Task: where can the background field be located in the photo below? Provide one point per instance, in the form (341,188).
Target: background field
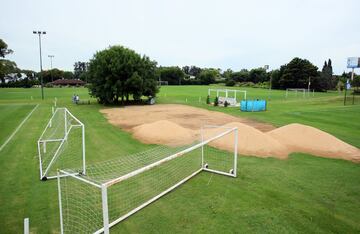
(302,194)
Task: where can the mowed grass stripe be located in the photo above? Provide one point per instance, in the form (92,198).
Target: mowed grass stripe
(11,119)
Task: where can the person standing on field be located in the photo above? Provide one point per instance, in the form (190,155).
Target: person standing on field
(77,99)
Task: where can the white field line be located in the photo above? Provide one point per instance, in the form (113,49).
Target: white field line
(17,129)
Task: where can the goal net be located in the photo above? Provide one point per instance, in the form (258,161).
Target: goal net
(294,92)
(162,82)
(113,190)
(231,96)
(62,144)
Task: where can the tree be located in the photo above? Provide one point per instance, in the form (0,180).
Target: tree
(6,66)
(79,69)
(257,75)
(115,73)
(241,76)
(326,77)
(173,75)
(132,85)
(275,78)
(194,71)
(207,76)
(4,49)
(296,74)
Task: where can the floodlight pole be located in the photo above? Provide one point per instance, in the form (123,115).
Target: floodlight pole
(41,78)
(51,57)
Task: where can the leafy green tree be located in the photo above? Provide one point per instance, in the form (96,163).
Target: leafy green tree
(70,75)
(173,75)
(227,74)
(208,76)
(241,76)
(6,66)
(132,86)
(230,82)
(296,74)
(257,75)
(275,78)
(4,49)
(79,69)
(326,76)
(110,69)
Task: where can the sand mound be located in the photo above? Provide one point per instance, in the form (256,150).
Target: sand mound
(164,132)
(250,142)
(306,139)
(185,116)
(176,125)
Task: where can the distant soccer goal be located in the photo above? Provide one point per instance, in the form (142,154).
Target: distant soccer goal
(231,96)
(294,92)
(113,190)
(160,83)
(62,144)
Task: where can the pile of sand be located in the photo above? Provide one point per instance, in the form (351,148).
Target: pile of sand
(176,125)
(185,116)
(250,142)
(164,132)
(306,139)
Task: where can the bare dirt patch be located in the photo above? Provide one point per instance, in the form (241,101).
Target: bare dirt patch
(185,116)
(179,125)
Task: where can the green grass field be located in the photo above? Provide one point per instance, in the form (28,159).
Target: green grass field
(302,194)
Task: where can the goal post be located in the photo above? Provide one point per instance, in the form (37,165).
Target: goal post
(113,190)
(61,144)
(296,90)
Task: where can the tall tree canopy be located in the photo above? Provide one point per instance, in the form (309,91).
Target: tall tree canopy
(6,66)
(4,49)
(118,72)
(326,76)
(296,74)
(80,69)
(173,75)
(208,76)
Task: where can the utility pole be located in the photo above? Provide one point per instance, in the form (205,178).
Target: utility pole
(51,57)
(39,33)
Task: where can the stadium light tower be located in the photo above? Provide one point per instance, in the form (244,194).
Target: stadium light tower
(39,33)
(51,57)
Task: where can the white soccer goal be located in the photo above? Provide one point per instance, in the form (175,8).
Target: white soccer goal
(162,82)
(111,191)
(231,95)
(62,144)
(300,92)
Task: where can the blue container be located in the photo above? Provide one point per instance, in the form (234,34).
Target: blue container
(253,105)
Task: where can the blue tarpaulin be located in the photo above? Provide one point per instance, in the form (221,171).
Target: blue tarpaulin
(253,105)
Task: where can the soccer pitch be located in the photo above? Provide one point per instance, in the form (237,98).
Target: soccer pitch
(300,194)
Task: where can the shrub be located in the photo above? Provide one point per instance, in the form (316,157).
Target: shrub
(216,101)
(230,82)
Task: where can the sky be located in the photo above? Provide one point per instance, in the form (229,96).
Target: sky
(221,34)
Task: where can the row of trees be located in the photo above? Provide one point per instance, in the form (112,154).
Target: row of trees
(28,78)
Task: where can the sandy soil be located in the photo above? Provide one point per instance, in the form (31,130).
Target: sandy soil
(185,116)
(307,139)
(179,125)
